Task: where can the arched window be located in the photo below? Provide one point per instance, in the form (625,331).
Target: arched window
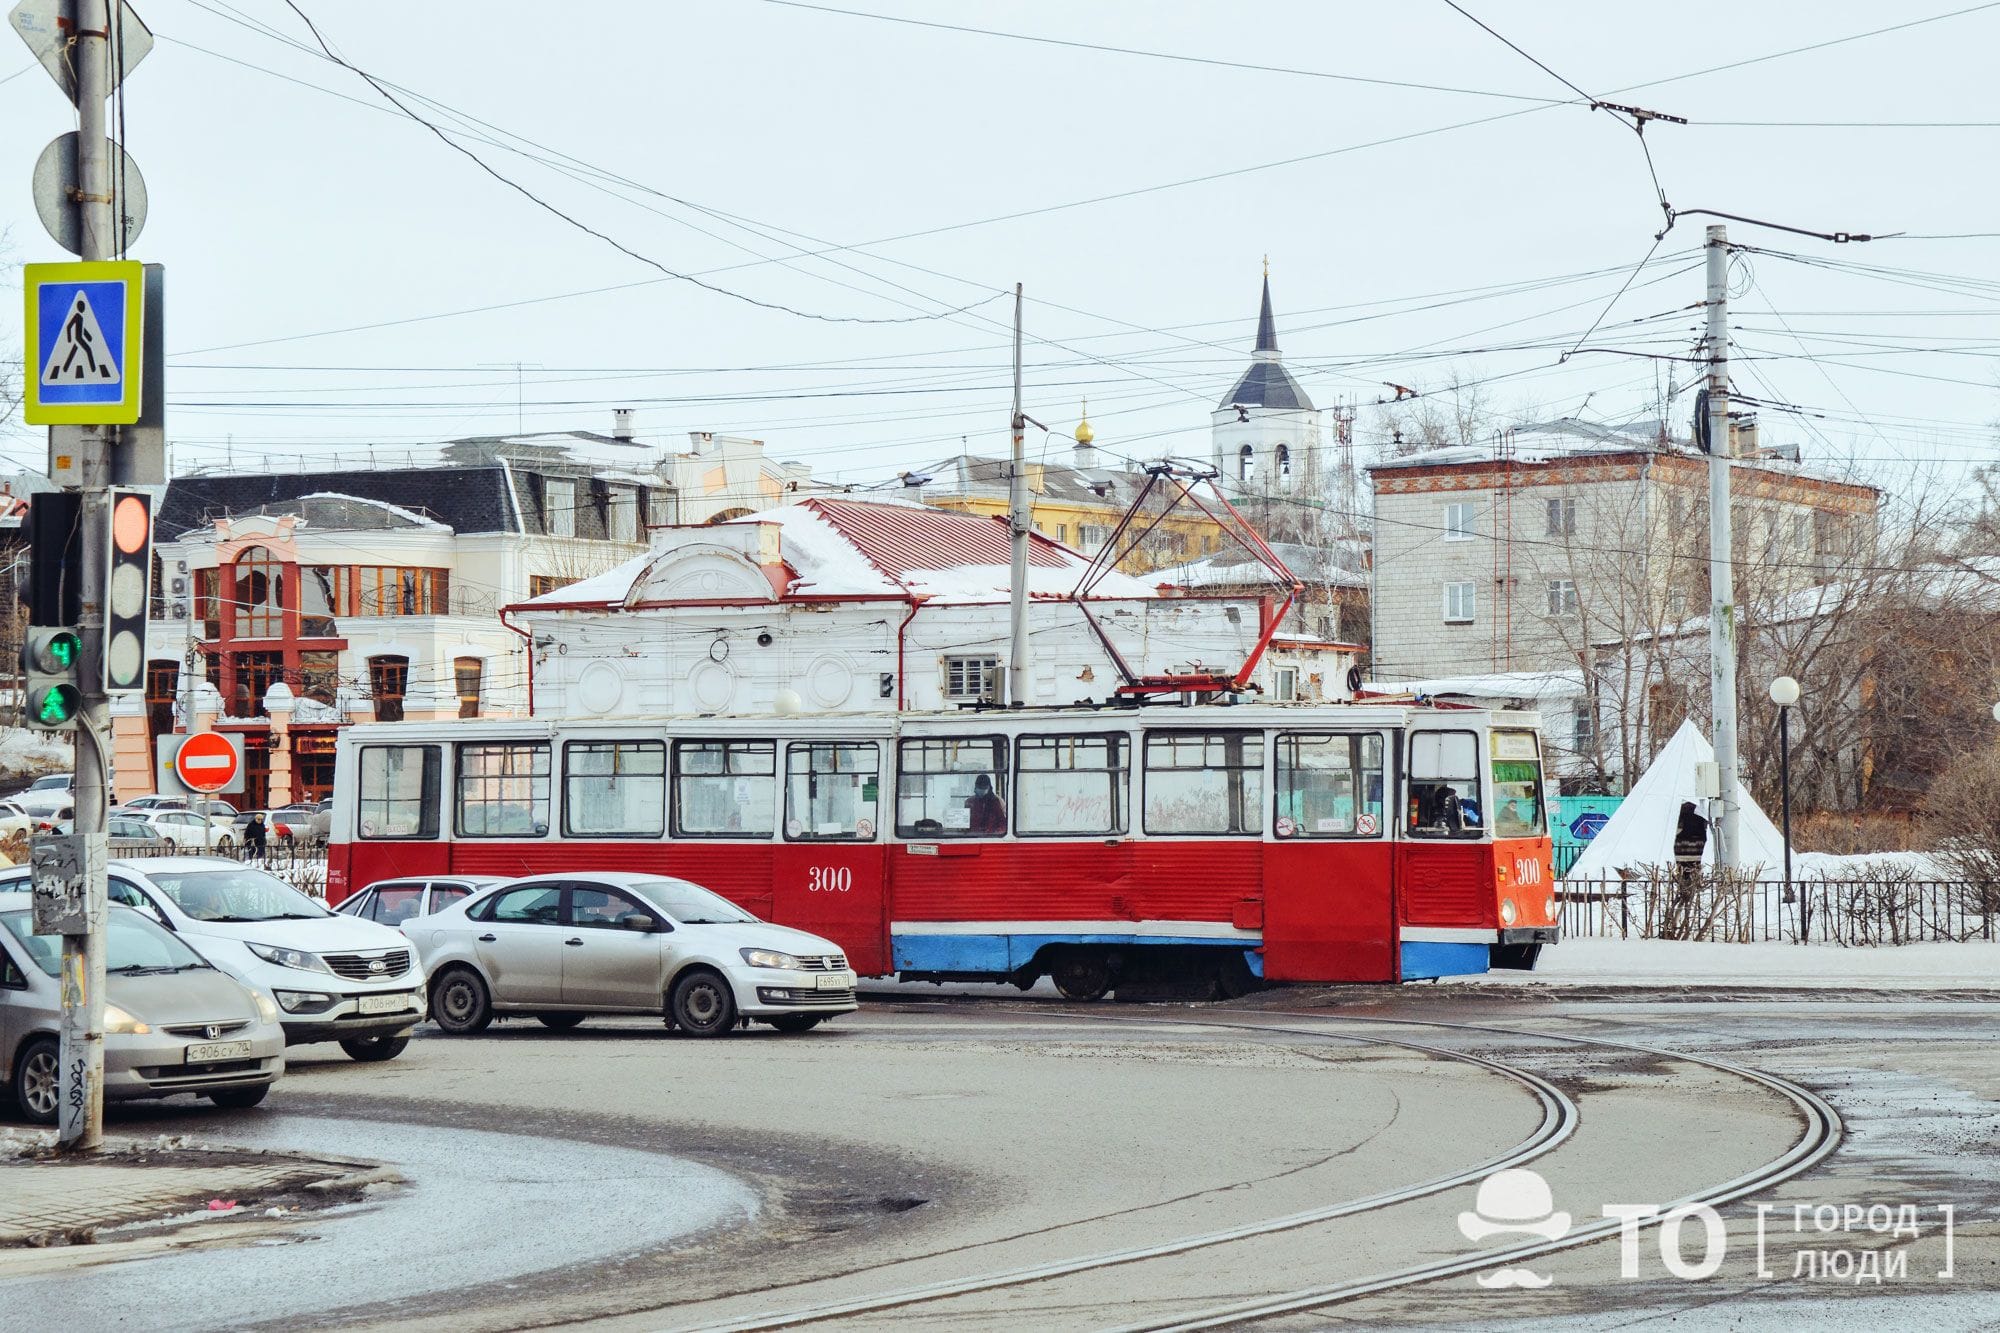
(1284,466)
(1246,463)
(260,595)
(466,672)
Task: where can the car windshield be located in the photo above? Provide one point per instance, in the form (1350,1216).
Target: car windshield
(59,781)
(134,946)
(235,894)
(690,904)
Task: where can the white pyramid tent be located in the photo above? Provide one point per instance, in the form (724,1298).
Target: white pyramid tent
(1640,831)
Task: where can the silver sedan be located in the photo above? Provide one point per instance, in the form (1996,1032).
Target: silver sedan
(172,1023)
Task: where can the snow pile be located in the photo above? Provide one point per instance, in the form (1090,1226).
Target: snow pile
(1652,963)
(31,754)
(1912,867)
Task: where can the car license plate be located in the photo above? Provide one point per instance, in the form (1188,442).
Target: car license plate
(384,1004)
(833,981)
(206,1052)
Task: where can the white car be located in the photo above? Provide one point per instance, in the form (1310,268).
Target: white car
(184,828)
(13,819)
(564,946)
(47,795)
(335,978)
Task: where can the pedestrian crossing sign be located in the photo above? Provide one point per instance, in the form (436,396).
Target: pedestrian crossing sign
(83,341)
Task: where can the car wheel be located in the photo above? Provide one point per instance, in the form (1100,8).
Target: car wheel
(242,1099)
(797,1022)
(370,1049)
(560,1022)
(703,1005)
(38,1081)
(460,1002)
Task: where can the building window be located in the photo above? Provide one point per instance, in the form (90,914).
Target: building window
(319,676)
(1285,688)
(972,680)
(388,590)
(1284,465)
(1062,533)
(388,681)
(325,591)
(1246,463)
(1562,597)
(661,509)
(1583,729)
(256,673)
(559,507)
(466,672)
(260,595)
(1458,521)
(1461,603)
(208,602)
(622,514)
(162,680)
(503,790)
(540,585)
(1562,518)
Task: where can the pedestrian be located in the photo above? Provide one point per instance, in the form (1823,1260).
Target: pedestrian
(254,835)
(1690,841)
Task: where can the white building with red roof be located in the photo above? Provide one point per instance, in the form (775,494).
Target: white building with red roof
(844,605)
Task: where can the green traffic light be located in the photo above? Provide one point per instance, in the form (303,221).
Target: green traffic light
(55,706)
(59,652)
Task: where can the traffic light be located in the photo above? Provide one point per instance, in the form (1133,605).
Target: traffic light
(52,662)
(129,585)
(55,557)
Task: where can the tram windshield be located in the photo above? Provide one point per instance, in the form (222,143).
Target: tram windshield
(1444,785)
(1517,785)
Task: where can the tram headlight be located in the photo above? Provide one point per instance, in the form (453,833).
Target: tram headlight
(1549,907)
(1508,912)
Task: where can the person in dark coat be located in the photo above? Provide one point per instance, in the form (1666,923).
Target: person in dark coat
(989,812)
(254,835)
(1690,841)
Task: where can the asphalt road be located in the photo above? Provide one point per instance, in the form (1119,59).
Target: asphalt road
(1294,1160)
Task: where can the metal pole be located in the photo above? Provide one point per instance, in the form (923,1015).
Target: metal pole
(80,1119)
(1721,567)
(1020,520)
(1785,805)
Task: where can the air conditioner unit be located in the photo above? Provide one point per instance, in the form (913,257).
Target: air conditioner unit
(180,566)
(177,586)
(177,611)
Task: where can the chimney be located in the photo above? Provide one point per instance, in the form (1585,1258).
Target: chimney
(621,424)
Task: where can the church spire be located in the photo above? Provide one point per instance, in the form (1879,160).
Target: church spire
(1267,327)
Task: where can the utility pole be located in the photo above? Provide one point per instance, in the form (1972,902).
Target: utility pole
(1721,565)
(1020,519)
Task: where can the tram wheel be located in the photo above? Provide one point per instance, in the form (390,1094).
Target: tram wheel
(1081,976)
(1235,979)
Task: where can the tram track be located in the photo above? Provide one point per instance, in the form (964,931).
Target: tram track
(1819,1136)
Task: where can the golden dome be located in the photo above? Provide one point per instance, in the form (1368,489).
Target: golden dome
(1084,434)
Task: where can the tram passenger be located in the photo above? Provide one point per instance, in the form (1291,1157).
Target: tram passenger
(989,812)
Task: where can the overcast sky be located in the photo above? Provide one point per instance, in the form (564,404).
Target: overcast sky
(339,276)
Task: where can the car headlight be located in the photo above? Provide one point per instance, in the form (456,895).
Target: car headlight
(283,957)
(770,958)
(118,1023)
(1508,912)
(267,1008)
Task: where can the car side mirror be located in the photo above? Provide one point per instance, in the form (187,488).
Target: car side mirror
(640,921)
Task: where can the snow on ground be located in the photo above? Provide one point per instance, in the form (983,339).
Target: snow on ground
(30,754)
(1651,963)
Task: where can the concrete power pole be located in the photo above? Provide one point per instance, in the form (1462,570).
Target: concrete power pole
(1020,519)
(1721,564)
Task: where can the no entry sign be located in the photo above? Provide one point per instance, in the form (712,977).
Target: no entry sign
(207,762)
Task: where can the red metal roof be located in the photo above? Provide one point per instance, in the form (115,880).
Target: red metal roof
(902,539)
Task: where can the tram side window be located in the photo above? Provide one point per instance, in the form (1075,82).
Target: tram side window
(615,789)
(399,791)
(952,788)
(503,790)
(831,788)
(1205,782)
(1517,785)
(1329,785)
(1444,785)
(725,789)
(1070,785)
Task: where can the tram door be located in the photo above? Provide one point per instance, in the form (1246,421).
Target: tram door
(828,873)
(1328,870)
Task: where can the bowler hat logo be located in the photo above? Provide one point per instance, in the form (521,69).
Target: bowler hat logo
(1513,1202)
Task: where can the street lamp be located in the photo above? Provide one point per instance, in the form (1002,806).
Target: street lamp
(1785,693)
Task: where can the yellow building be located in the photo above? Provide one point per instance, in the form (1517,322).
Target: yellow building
(1076,502)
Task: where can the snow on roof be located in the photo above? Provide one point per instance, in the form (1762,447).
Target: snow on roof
(1537,442)
(1540,685)
(872,548)
(1972,581)
(1319,565)
(1640,832)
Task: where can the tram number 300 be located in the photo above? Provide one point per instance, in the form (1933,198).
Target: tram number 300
(829,879)
(1527,870)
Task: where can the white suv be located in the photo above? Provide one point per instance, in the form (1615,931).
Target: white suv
(335,978)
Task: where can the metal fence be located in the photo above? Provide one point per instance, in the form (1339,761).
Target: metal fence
(301,865)
(1844,912)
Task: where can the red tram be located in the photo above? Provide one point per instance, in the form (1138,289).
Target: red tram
(1364,842)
